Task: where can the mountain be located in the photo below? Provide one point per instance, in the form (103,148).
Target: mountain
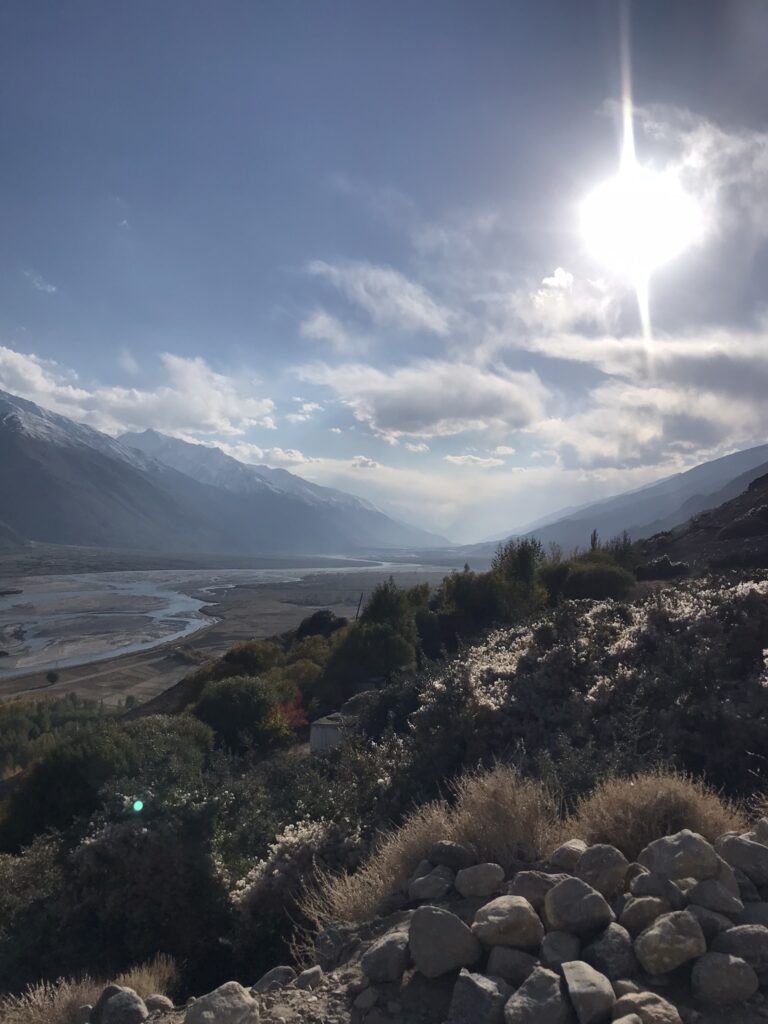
(658,506)
(66,483)
(734,534)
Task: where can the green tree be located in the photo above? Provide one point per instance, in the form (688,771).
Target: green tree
(242,711)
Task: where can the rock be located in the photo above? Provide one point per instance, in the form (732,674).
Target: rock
(748,941)
(673,939)
(421,869)
(275,979)
(230,1003)
(754,913)
(367,999)
(434,886)
(539,1000)
(508,921)
(612,953)
(760,831)
(477,999)
(387,958)
(624,985)
(685,854)
(534,886)
(574,906)
(450,855)
(713,895)
(747,890)
(158,1002)
(558,948)
(107,993)
(711,923)
(440,942)
(479,880)
(566,857)
(634,871)
(512,965)
(727,876)
(125,1007)
(648,1007)
(590,992)
(82,1014)
(310,978)
(629,1018)
(640,911)
(604,868)
(722,978)
(651,884)
(746,855)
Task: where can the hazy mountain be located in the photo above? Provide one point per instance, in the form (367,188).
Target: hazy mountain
(658,506)
(66,483)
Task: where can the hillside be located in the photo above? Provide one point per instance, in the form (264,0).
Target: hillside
(76,486)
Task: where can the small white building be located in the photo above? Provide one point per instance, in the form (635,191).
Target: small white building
(325,733)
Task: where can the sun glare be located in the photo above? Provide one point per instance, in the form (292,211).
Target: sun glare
(639,221)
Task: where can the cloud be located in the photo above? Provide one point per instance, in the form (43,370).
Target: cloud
(334,430)
(127,362)
(388,297)
(322,326)
(503,449)
(305,412)
(39,283)
(562,301)
(434,398)
(363,462)
(474,460)
(195,400)
(420,447)
(253,454)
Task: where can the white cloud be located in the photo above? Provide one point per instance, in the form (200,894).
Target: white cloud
(388,297)
(434,398)
(255,455)
(334,430)
(363,462)
(127,362)
(420,447)
(39,283)
(474,460)
(194,400)
(322,326)
(564,301)
(503,449)
(305,412)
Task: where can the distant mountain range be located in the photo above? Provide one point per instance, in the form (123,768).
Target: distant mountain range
(659,506)
(65,483)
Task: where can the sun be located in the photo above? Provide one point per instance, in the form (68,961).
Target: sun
(638,221)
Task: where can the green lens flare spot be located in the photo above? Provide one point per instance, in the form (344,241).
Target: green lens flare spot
(138,805)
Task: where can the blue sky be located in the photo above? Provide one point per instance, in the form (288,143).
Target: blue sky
(343,237)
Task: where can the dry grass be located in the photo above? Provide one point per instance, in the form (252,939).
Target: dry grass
(496,814)
(55,1002)
(630,812)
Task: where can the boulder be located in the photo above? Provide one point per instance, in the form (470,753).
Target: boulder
(640,911)
(721,978)
(82,1014)
(566,857)
(275,979)
(477,999)
(651,884)
(539,1000)
(748,941)
(623,985)
(589,991)
(158,1002)
(713,895)
(310,978)
(558,948)
(648,1007)
(124,1007)
(747,890)
(508,921)
(440,942)
(367,999)
(612,953)
(604,868)
(673,939)
(711,923)
(574,906)
(629,1018)
(746,855)
(421,869)
(754,913)
(433,886)
(230,1003)
(106,993)
(479,880)
(513,965)
(727,876)
(450,855)
(534,886)
(387,958)
(685,854)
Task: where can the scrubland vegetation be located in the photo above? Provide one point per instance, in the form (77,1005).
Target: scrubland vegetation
(546,698)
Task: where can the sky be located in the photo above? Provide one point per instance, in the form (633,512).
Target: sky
(345,237)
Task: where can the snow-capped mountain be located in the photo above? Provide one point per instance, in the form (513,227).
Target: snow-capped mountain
(65,483)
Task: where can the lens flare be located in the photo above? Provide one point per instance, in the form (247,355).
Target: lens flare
(138,805)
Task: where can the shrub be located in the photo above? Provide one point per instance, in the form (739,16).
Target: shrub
(497,814)
(242,712)
(57,1002)
(252,657)
(597,580)
(629,813)
(365,651)
(322,623)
